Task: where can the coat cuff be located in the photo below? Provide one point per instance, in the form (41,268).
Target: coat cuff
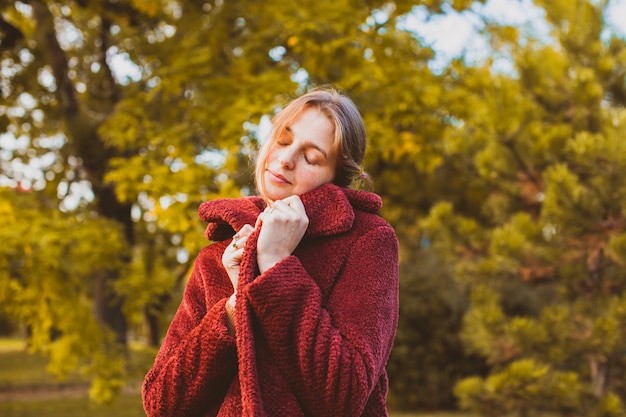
(284,283)
(221,324)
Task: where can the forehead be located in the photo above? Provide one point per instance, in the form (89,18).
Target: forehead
(312,125)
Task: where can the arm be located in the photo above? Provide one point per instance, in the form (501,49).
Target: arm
(198,359)
(333,356)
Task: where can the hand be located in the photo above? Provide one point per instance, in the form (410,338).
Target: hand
(282,227)
(231,258)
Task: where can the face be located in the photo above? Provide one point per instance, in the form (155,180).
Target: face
(302,158)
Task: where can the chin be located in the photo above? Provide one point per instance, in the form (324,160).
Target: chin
(276,195)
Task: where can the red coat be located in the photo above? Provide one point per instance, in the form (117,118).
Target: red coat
(314,332)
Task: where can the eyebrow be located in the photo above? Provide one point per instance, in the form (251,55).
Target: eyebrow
(308,143)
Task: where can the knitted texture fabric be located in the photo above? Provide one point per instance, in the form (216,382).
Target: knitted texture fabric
(248,376)
(313,333)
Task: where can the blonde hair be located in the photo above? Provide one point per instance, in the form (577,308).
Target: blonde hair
(349,133)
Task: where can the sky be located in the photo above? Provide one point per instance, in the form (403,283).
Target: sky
(453,33)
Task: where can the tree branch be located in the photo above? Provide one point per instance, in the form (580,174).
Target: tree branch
(9,35)
(45,34)
(112,88)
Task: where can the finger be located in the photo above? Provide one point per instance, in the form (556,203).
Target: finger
(294,203)
(281,206)
(244,231)
(259,220)
(238,242)
(242,241)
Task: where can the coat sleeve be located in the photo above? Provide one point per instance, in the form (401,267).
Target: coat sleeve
(332,356)
(197,360)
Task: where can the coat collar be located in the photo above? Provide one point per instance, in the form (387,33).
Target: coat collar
(330,209)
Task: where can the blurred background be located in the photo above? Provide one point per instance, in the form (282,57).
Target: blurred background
(497,140)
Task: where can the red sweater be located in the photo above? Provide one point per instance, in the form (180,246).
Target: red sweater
(314,332)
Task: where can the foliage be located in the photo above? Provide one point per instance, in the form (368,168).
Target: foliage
(46,260)
(542,253)
(133,148)
(421,369)
(519,172)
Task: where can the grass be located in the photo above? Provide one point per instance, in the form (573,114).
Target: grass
(20,370)
(434,414)
(125,406)
(27,390)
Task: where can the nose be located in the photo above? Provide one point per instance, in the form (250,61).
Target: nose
(286,158)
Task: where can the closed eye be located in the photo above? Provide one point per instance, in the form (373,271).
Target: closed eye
(313,156)
(286,138)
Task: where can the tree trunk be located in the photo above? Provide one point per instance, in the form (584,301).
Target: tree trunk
(154,311)
(84,143)
(599,372)
(108,307)
(154,331)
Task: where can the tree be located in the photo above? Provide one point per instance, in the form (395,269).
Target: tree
(59,59)
(47,259)
(133,112)
(542,254)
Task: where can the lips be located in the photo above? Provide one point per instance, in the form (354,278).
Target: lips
(276,177)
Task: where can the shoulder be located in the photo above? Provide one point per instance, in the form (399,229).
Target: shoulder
(367,218)
(367,223)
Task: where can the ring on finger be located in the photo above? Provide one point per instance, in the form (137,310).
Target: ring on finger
(235,238)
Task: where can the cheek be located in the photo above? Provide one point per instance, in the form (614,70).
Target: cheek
(320,176)
(271,156)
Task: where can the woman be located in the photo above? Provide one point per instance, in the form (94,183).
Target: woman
(296,313)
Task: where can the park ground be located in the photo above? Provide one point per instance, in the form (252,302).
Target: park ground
(27,390)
